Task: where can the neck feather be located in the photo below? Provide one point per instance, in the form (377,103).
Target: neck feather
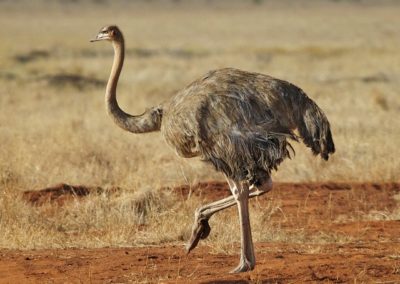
(147,122)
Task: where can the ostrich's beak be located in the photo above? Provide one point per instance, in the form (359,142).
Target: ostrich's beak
(97,38)
(100,36)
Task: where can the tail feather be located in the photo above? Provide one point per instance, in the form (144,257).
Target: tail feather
(314,129)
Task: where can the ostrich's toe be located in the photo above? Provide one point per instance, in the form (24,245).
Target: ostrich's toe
(244,266)
(200,230)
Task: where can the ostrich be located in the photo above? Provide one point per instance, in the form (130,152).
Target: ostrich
(240,122)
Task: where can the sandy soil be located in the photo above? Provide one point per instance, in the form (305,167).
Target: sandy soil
(371,255)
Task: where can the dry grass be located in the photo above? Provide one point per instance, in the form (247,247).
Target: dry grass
(138,218)
(53,127)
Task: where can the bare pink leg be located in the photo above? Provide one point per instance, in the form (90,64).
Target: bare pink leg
(240,191)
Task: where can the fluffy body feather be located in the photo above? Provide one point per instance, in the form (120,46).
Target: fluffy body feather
(241,122)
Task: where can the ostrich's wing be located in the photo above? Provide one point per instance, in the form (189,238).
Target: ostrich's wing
(230,119)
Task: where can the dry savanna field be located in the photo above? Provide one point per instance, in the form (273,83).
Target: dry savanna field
(83,201)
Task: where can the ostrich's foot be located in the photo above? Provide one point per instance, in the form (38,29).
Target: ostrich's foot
(200,230)
(244,266)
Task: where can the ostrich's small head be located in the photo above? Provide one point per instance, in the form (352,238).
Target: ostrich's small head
(111,33)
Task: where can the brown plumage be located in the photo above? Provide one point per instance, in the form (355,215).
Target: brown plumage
(240,122)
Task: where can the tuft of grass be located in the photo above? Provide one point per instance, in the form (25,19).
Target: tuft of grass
(121,219)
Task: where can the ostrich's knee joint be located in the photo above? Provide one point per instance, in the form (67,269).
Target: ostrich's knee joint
(263,188)
(199,214)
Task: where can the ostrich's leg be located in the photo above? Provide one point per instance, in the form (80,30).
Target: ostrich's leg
(247,258)
(201,228)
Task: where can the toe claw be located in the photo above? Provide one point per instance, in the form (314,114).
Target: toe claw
(244,266)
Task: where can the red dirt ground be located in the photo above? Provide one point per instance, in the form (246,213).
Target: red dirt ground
(371,254)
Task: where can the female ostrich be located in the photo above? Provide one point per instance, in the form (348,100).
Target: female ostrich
(240,122)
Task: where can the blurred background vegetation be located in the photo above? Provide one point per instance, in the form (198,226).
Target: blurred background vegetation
(53,127)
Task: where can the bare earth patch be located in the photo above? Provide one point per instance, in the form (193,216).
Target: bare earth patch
(367,247)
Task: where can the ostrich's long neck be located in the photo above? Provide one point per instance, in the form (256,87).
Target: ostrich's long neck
(148,121)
